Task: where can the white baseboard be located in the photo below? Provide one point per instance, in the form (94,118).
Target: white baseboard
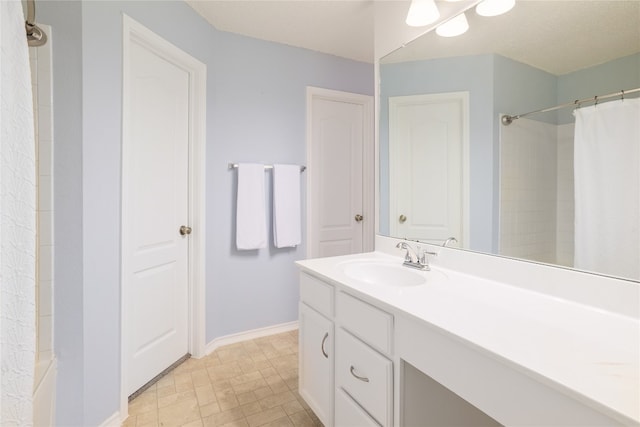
(249,335)
(113,421)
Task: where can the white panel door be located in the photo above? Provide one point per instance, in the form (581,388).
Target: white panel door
(336,209)
(426,192)
(155,206)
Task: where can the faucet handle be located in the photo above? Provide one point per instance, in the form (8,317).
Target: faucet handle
(422,257)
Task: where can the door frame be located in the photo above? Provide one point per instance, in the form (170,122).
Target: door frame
(133,31)
(368,159)
(463,99)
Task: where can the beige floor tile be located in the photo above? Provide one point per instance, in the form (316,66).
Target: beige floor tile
(223,417)
(277,384)
(277,400)
(251,408)
(292,384)
(130,421)
(245,378)
(176,397)
(238,423)
(302,419)
(266,417)
(263,392)
(209,409)
(146,417)
(166,390)
(221,385)
(280,422)
(292,407)
(205,395)
(248,397)
(185,386)
(200,377)
(248,384)
(179,413)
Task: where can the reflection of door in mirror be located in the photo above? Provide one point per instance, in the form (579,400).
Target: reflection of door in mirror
(427,142)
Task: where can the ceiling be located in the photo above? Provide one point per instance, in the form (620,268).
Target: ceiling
(558,36)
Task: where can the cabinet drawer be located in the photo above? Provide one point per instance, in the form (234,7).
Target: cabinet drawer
(372,325)
(317,294)
(366,375)
(349,413)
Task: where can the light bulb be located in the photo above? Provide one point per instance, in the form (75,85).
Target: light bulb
(453,27)
(422,12)
(494,7)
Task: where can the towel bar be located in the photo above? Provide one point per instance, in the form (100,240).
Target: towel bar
(235,166)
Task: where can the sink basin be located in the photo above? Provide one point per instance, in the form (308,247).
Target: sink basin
(384,273)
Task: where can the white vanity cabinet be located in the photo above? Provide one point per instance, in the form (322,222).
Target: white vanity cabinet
(363,370)
(350,371)
(316,343)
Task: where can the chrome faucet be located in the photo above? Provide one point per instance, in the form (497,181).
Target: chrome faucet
(415,259)
(450,240)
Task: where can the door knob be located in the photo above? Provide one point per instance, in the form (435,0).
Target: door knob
(402,219)
(359,218)
(184,230)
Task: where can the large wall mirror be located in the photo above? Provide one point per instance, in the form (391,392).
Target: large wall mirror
(449,168)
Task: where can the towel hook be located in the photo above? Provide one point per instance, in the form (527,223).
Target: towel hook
(596,99)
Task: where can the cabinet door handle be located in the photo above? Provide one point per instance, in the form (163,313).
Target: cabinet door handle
(365,379)
(324,353)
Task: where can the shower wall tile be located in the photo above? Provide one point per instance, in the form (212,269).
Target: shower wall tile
(566,203)
(41,75)
(528,190)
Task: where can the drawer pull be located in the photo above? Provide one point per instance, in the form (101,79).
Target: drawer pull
(324,353)
(365,379)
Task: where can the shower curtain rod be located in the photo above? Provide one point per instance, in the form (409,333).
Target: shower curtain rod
(35,36)
(507,119)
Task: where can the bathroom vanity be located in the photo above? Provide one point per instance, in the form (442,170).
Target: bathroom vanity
(474,341)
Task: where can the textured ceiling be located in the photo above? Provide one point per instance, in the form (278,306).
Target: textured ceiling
(558,36)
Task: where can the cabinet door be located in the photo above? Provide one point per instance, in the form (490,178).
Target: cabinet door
(349,413)
(315,381)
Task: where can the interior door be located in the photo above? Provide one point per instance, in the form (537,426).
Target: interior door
(155,206)
(336,207)
(426,193)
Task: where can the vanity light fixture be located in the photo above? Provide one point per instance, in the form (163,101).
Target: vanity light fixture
(494,7)
(422,12)
(453,27)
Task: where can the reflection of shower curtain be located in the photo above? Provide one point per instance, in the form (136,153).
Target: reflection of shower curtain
(607,188)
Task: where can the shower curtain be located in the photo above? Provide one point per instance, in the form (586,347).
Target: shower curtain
(17,221)
(607,188)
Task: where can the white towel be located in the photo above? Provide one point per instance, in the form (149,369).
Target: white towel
(251,223)
(286,206)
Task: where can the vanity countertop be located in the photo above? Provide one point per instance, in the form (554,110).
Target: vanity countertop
(585,352)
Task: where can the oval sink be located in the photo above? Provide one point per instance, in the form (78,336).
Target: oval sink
(384,273)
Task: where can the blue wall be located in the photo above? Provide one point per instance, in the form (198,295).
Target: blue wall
(256,102)
(610,77)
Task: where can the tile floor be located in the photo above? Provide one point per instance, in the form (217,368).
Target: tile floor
(252,383)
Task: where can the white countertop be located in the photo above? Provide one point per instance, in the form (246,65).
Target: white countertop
(588,353)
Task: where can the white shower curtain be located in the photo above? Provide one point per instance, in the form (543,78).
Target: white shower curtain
(17,221)
(607,188)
